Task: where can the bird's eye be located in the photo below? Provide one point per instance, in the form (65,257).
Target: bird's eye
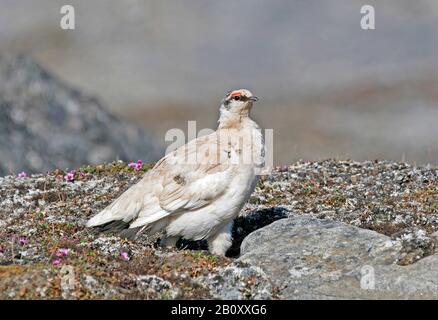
(237,98)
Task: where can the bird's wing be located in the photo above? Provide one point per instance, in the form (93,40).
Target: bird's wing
(191,177)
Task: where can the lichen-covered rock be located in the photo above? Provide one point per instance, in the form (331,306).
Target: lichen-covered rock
(415,281)
(310,258)
(45,124)
(238,282)
(151,284)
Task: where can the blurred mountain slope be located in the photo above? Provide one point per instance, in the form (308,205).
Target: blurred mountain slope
(45,124)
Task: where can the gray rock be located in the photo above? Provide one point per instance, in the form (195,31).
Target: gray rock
(239,282)
(45,124)
(155,285)
(309,258)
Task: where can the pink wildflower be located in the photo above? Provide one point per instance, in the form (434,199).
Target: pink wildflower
(22,174)
(136,165)
(62,252)
(70,176)
(124,255)
(132,164)
(22,240)
(56,261)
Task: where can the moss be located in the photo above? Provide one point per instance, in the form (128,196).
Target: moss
(433,208)
(11,270)
(386,228)
(336,200)
(112,168)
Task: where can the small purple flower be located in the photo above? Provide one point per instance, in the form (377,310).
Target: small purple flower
(62,252)
(22,174)
(70,176)
(23,240)
(136,165)
(124,255)
(84,174)
(56,262)
(132,164)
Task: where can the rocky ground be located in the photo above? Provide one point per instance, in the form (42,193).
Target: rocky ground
(336,218)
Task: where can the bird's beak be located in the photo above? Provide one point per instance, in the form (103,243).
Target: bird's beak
(254,99)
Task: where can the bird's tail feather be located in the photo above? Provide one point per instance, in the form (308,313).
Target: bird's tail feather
(122,216)
(129,233)
(113,226)
(124,208)
(120,228)
(123,230)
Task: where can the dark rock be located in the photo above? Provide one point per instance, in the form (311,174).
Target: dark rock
(46,124)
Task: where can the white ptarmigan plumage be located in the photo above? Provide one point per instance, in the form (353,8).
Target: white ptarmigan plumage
(197,190)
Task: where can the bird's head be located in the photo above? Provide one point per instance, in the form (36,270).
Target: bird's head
(238,102)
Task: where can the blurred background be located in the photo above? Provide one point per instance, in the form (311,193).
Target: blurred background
(326,87)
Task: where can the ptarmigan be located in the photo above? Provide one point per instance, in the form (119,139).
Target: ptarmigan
(197,190)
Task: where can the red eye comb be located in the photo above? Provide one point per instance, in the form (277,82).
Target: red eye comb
(236,94)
